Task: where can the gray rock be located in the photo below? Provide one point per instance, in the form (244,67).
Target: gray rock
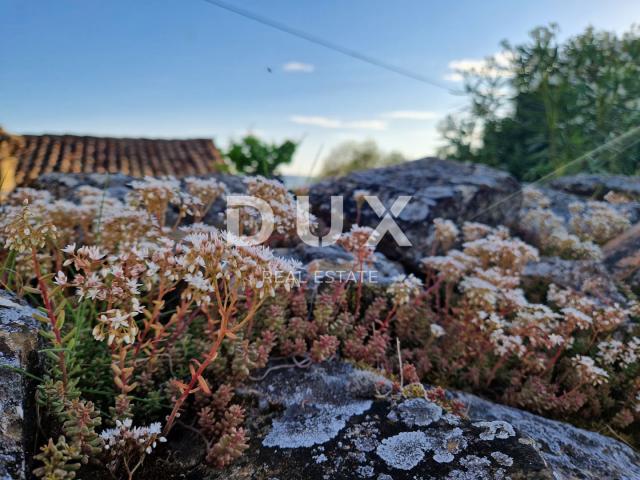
(596,186)
(335,259)
(587,276)
(622,257)
(439,188)
(560,201)
(572,453)
(65,185)
(329,424)
(18,343)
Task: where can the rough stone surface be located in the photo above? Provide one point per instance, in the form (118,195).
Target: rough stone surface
(622,257)
(18,341)
(560,201)
(65,185)
(587,276)
(439,188)
(325,422)
(572,453)
(326,260)
(596,186)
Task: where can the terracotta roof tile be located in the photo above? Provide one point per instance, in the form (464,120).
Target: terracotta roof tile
(132,156)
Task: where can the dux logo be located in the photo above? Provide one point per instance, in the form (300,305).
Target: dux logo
(387,223)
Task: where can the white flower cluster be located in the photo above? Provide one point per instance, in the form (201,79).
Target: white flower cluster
(589,371)
(473,231)
(202,193)
(479,292)
(24,231)
(532,198)
(436,330)
(126,438)
(487,272)
(115,278)
(282,203)
(597,221)
(116,325)
(591,224)
(497,249)
(614,352)
(505,344)
(212,256)
(452,266)
(586,312)
(359,241)
(403,288)
(445,232)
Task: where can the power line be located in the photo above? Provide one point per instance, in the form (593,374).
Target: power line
(331,46)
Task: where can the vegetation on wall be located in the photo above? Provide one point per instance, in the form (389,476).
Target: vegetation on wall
(150,330)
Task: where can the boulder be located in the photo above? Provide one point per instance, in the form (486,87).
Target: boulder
(18,343)
(572,453)
(438,188)
(331,423)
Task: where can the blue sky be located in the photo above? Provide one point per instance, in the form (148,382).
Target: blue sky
(181,68)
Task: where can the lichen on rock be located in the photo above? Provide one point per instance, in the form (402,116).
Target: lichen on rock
(417,412)
(317,425)
(495,429)
(404,450)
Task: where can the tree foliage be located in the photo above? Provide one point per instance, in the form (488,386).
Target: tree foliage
(351,156)
(253,156)
(553,102)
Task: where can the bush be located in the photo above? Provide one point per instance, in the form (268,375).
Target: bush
(352,156)
(550,103)
(252,156)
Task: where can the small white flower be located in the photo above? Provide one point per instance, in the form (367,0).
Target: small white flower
(60,279)
(70,249)
(436,330)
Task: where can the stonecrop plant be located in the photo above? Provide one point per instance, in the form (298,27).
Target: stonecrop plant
(590,225)
(152,320)
(469,324)
(142,316)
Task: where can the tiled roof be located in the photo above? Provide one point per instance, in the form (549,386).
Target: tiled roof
(132,156)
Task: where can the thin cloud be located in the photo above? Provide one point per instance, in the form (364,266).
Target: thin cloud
(367,125)
(496,65)
(298,67)
(334,123)
(411,115)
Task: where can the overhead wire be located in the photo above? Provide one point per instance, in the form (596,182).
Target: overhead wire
(323,42)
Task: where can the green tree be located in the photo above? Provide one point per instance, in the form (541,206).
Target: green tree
(351,156)
(252,156)
(552,103)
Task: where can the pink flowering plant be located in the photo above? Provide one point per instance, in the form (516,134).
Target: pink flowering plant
(139,322)
(152,320)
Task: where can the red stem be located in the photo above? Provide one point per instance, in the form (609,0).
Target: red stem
(52,316)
